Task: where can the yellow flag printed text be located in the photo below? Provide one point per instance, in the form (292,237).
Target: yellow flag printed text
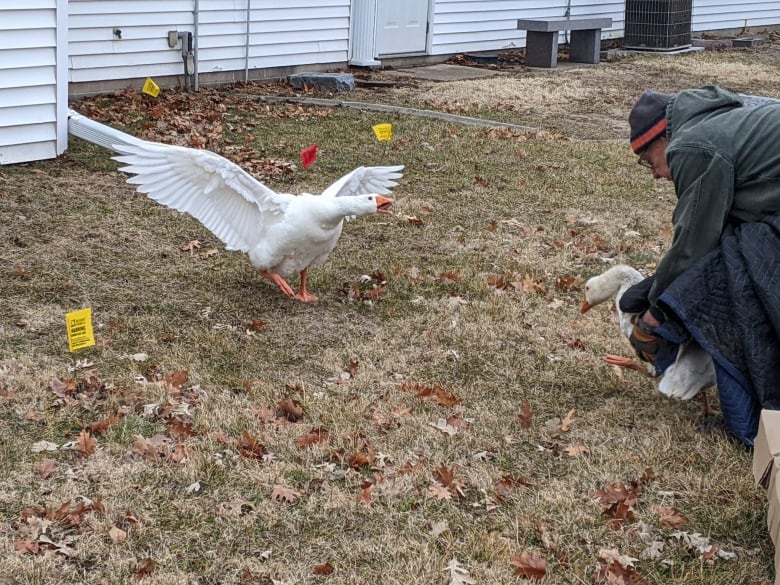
(383,131)
(80,333)
(150,87)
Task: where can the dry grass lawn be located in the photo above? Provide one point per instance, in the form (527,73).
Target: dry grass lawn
(441,416)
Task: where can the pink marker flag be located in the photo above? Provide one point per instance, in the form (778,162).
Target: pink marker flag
(309,155)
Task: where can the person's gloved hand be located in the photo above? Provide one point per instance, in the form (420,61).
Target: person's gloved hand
(642,339)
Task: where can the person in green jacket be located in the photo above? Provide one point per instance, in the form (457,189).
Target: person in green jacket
(722,152)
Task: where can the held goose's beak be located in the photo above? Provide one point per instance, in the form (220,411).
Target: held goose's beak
(585,306)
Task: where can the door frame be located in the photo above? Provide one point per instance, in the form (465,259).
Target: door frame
(363,33)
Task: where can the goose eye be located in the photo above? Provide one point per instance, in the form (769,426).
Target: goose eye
(370,197)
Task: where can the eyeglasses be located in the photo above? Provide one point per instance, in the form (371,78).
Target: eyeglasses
(643,162)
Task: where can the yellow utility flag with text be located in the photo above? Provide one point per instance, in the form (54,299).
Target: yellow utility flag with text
(151,88)
(384,132)
(80,334)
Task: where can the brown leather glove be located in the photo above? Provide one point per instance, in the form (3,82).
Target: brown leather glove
(643,341)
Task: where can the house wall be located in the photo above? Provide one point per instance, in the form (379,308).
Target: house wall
(112,41)
(33,119)
(281,34)
(728,14)
(488,25)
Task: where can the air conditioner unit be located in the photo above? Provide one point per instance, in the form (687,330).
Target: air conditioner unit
(658,25)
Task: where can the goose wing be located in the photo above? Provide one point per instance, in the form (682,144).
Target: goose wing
(692,371)
(226,199)
(364,180)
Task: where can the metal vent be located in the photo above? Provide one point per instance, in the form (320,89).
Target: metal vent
(658,25)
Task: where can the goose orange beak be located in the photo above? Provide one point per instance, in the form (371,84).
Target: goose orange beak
(585,306)
(383,204)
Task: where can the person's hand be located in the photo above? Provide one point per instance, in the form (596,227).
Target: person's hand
(649,320)
(642,339)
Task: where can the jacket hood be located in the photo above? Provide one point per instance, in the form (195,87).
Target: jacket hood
(689,104)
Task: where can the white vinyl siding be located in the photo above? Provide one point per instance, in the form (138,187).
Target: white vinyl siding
(489,25)
(281,34)
(33,91)
(727,14)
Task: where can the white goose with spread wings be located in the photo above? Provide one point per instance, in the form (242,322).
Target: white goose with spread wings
(282,233)
(692,370)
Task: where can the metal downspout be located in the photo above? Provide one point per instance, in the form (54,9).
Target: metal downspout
(196,17)
(246,48)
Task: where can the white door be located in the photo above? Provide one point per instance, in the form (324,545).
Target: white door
(402,26)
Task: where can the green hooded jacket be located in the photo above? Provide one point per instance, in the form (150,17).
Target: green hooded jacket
(725,164)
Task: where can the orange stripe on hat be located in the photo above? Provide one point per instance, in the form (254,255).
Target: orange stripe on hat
(638,143)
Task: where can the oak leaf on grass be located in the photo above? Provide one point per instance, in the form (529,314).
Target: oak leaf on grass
(249,447)
(291,409)
(85,443)
(365,495)
(315,435)
(671,517)
(529,564)
(282,493)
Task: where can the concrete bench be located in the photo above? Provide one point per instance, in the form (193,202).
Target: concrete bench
(541,44)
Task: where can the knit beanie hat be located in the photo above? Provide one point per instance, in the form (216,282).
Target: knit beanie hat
(648,119)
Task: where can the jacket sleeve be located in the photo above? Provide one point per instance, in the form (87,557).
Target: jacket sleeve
(704,182)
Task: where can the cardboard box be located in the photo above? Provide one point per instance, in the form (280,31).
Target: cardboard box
(766,471)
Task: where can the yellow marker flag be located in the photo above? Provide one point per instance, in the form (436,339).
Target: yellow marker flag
(151,88)
(79,325)
(383,132)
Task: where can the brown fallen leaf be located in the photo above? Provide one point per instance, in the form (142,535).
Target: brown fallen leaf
(363,458)
(26,547)
(281,493)
(46,468)
(438,491)
(547,537)
(529,564)
(617,493)
(101,426)
(250,447)
(85,443)
(525,416)
(576,450)
(190,246)
(117,534)
(508,484)
(145,568)
(324,569)
(619,514)
(291,409)
(180,430)
(315,435)
(669,516)
(567,420)
(365,495)
(177,380)
(617,569)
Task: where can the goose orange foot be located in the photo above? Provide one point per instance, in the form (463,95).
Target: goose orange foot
(302,294)
(278,281)
(624,362)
